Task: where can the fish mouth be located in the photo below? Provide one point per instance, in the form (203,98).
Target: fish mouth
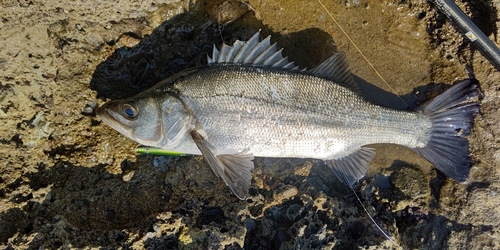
(100,112)
(104,115)
(112,119)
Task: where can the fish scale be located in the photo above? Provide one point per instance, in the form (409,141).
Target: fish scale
(240,112)
(251,101)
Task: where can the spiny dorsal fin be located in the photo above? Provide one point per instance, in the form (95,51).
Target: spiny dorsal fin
(252,52)
(337,69)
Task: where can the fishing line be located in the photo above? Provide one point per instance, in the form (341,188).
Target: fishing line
(345,179)
(393,91)
(375,70)
(373,220)
(484,161)
(361,53)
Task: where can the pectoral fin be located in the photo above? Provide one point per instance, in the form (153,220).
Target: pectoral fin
(235,169)
(352,167)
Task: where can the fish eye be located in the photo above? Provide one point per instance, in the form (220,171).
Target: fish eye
(129,111)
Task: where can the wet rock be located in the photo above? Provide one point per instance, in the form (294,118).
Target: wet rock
(95,40)
(10,221)
(90,108)
(128,41)
(209,215)
(411,185)
(227,11)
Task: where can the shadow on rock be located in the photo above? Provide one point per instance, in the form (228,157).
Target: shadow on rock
(90,200)
(82,198)
(432,231)
(184,42)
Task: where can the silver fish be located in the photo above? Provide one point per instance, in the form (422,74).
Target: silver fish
(251,101)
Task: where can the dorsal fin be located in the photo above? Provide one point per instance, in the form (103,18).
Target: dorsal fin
(336,68)
(252,52)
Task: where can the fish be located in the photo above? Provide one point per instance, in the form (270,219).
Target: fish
(251,101)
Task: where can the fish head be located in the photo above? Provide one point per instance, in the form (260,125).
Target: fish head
(151,121)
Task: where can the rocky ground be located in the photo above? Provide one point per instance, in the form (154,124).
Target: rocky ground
(69,181)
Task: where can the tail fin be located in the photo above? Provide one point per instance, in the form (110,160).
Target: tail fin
(452,114)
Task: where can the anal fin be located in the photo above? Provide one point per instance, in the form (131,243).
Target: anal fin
(234,169)
(352,167)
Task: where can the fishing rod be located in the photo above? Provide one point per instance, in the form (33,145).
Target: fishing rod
(471,31)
